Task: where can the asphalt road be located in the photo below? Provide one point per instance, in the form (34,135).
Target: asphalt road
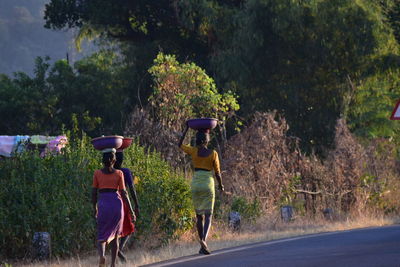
(363,247)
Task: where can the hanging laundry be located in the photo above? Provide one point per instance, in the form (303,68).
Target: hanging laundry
(11,144)
(20,143)
(41,139)
(55,145)
(7,144)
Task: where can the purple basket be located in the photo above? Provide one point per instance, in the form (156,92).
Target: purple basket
(204,124)
(114,141)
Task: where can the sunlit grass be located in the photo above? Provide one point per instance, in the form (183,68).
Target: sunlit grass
(221,237)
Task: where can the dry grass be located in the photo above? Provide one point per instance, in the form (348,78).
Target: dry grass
(220,237)
(262,161)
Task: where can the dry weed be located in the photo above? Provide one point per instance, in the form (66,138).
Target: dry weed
(155,136)
(261,160)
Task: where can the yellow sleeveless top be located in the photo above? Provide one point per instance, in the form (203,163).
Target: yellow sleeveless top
(209,163)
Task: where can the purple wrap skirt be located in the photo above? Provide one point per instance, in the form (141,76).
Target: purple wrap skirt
(110,214)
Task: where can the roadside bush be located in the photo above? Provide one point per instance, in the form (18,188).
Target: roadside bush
(49,194)
(52,194)
(164,197)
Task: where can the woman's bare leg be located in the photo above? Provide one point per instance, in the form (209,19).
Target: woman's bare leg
(114,250)
(201,229)
(207,226)
(101,248)
(199,225)
(122,243)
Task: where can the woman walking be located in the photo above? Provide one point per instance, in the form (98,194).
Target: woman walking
(107,194)
(128,223)
(204,161)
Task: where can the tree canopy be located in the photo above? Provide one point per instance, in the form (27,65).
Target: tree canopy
(300,57)
(312,61)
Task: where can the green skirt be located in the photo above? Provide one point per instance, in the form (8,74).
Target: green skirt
(203,192)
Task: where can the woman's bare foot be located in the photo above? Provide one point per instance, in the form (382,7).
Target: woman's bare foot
(204,247)
(204,251)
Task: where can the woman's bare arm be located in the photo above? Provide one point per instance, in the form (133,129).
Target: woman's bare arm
(94,201)
(124,195)
(135,199)
(219,179)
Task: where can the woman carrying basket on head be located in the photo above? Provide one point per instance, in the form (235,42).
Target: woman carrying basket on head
(107,194)
(203,192)
(128,227)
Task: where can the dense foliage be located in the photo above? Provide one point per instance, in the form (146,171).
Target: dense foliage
(313,61)
(52,194)
(306,59)
(92,90)
(183,91)
(297,56)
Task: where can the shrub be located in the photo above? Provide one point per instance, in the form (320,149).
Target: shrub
(164,196)
(52,194)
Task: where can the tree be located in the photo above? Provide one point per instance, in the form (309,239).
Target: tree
(143,28)
(132,21)
(371,105)
(92,91)
(296,57)
(188,29)
(183,91)
(27,103)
